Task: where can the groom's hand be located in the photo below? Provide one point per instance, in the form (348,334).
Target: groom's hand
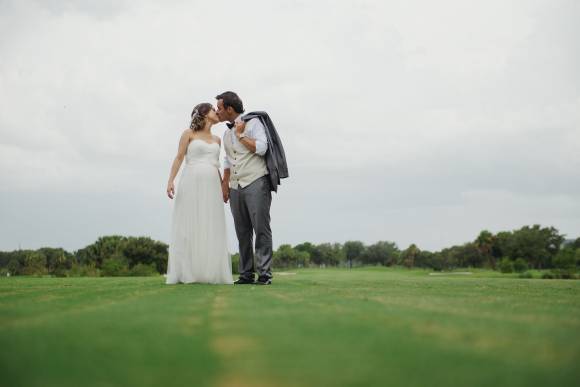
(240,127)
(225,191)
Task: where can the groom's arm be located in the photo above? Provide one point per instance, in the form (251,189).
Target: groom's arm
(249,143)
(226,178)
(255,137)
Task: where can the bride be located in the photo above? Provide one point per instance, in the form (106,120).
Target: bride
(198,247)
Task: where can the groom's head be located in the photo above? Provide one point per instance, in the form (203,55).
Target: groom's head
(229,106)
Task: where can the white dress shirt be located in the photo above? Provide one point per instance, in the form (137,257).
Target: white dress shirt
(254,130)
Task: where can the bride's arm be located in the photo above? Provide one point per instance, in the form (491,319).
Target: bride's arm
(225,179)
(182,148)
(219,141)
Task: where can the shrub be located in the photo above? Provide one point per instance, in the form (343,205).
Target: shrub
(115,266)
(145,250)
(547,276)
(60,272)
(286,256)
(35,264)
(563,274)
(236,263)
(143,270)
(565,260)
(520,265)
(58,261)
(14,267)
(526,274)
(506,265)
(78,270)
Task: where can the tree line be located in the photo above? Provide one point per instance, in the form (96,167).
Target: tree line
(530,247)
(109,256)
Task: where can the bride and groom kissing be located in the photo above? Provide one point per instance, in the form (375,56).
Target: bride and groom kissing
(253,165)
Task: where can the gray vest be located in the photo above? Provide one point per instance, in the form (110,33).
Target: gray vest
(246,166)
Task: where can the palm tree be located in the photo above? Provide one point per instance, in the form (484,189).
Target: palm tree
(484,244)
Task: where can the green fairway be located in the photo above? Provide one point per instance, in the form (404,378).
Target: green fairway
(365,327)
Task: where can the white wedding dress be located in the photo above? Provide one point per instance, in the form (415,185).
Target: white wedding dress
(198,247)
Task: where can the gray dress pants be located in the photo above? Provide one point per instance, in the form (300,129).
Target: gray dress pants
(251,211)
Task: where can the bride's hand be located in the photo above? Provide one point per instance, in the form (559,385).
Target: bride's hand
(170,190)
(240,127)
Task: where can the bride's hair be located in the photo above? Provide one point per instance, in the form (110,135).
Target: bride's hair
(198,116)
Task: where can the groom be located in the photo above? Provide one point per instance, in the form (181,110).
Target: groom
(245,183)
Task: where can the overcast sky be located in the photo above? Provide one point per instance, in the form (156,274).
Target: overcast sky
(409,121)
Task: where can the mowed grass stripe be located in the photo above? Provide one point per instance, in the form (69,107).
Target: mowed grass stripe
(318,327)
(70,296)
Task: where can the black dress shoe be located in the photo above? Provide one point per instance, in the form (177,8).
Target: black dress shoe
(244,281)
(264,281)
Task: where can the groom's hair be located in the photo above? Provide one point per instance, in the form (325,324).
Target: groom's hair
(231,99)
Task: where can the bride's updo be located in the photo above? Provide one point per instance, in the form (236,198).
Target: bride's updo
(198,116)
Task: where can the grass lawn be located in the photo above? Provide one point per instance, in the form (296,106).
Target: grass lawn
(332,327)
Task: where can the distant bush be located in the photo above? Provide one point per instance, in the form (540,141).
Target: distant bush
(78,270)
(526,274)
(236,263)
(286,257)
(58,260)
(135,250)
(35,264)
(565,260)
(547,276)
(61,273)
(14,267)
(563,274)
(115,266)
(143,270)
(520,265)
(506,265)
(146,251)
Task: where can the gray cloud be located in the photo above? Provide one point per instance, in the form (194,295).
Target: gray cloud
(408,121)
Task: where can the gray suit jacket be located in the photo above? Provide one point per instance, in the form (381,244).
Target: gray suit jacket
(275,156)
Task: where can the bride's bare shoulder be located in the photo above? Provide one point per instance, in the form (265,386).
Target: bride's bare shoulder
(187,133)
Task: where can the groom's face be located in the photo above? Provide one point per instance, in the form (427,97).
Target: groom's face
(223,113)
